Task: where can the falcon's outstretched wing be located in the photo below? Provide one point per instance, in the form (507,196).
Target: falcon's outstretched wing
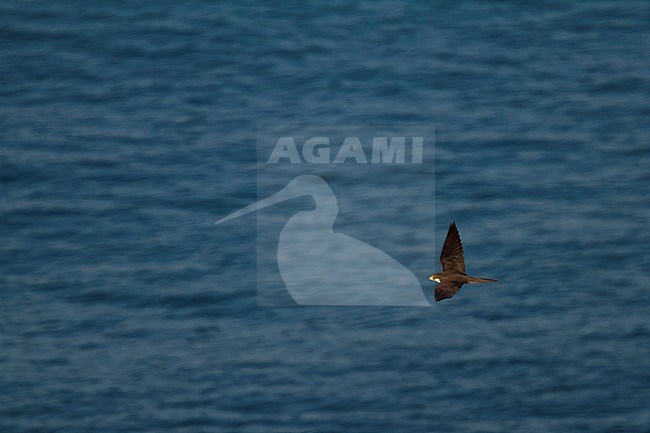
(451,257)
(447,290)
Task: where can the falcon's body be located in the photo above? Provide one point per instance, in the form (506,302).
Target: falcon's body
(453,274)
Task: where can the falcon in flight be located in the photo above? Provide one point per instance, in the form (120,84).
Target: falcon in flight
(453,274)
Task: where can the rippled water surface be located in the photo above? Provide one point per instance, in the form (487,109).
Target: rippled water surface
(128,129)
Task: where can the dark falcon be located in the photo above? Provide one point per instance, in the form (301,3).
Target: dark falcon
(453,274)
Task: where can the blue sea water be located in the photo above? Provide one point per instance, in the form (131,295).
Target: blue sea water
(128,128)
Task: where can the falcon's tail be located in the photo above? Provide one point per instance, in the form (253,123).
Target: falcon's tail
(481,280)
